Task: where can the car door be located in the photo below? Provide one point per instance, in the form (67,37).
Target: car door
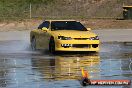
(43,40)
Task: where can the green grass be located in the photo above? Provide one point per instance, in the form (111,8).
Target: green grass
(19,9)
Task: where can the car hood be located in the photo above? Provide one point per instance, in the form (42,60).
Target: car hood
(74,34)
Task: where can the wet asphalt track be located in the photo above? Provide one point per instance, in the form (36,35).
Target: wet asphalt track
(20,67)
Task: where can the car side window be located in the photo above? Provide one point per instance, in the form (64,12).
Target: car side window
(44,24)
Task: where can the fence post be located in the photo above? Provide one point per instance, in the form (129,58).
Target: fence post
(30,13)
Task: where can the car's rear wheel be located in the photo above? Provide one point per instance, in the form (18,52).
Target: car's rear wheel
(33,44)
(52,45)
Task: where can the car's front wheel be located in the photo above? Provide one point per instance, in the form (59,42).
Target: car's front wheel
(52,45)
(33,44)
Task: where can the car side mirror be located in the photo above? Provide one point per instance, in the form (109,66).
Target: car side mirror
(44,29)
(89,29)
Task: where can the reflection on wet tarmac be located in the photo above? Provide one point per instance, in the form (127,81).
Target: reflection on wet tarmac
(22,68)
(66,67)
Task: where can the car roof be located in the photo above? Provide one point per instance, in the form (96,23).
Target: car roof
(127,6)
(59,20)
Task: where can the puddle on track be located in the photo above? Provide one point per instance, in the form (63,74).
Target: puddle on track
(22,68)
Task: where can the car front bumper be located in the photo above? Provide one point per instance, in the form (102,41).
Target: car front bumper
(77,45)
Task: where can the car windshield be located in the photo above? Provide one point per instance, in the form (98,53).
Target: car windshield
(67,25)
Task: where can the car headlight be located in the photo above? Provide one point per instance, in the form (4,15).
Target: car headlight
(64,38)
(94,38)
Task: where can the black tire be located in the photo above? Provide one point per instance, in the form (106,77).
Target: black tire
(52,46)
(86,81)
(33,44)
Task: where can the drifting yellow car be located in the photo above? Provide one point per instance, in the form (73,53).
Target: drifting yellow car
(63,35)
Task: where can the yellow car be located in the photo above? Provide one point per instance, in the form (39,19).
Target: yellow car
(63,35)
